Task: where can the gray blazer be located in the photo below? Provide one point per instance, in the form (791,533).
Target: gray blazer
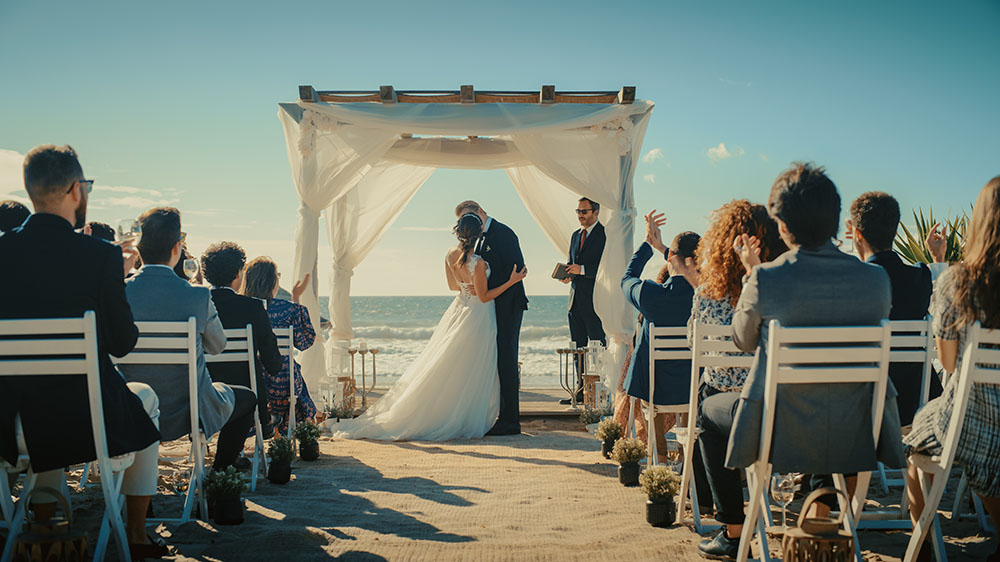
(823,428)
(157,294)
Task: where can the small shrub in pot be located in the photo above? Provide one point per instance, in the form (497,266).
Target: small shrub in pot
(307,434)
(223,489)
(661,484)
(282,453)
(608,431)
(627,453)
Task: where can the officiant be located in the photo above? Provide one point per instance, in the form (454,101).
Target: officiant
(585,250)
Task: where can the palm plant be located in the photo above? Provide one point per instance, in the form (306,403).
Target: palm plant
(912,245)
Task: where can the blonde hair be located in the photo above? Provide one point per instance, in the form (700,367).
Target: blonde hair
(261,278)
(977,294)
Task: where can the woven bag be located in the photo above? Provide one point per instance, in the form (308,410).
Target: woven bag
(818,539)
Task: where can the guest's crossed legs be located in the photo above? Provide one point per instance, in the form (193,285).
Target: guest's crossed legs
(234,433)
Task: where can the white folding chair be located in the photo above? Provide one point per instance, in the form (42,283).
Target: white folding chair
(175,343)
(980,365)
(66,346)
(712,346)
(286,347)
(817,355)
(667,343)
(239,349)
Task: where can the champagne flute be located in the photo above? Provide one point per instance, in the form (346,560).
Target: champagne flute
(129,230)
(783,491)
(191,268)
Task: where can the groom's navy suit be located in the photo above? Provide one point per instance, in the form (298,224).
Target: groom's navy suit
(501,250)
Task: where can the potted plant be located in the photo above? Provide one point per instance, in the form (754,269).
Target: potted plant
(223,489)
(608,431)
(627,453)
(589,417)
(282,453)
(307,434)
(661,485)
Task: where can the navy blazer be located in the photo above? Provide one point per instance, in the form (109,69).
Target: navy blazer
(911,296)
(54,272)
(589,257)
(501,249)
(668,304)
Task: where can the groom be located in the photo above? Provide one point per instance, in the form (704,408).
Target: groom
(498,245)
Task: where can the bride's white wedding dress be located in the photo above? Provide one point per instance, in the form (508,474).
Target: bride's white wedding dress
(452,389)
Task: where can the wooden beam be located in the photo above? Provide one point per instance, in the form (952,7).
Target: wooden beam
(410,98)
(573,98)
(307,93)
(387,94)
(337,98)
(626,94)
(468,93)
(506,98)
(547,95)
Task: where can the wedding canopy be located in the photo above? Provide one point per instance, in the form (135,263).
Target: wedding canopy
(358,158)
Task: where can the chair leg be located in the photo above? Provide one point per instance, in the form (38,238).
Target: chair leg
(17,521)
(883,479)
(850,523)
(860,494)
(956,508)
(756,475)
(928,518)
(259,460)
(83,477)
(650,435)
(6,499)
(984,522)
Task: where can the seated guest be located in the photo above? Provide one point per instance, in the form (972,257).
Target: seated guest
(873,222)
(12,215)
(262,283)
(666,304)
(156,294)
(100,230)
(179,268)
(223,264)
(964,294)
(63,274)
(813,283)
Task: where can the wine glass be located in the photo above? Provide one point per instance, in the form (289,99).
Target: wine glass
(190,268)
(129,230)
(783,491)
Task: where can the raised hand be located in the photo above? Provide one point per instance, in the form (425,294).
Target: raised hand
(654,222)
(747,248)
(300,287)
(937,242)
(129,254)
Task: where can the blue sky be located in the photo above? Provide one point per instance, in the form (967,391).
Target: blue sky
(176,103)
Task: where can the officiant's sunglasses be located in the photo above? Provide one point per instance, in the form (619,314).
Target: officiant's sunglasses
(583,211)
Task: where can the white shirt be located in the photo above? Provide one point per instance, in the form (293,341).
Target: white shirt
(489,221)
(589,229)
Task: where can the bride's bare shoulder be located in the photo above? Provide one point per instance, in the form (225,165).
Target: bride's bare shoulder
(453,255)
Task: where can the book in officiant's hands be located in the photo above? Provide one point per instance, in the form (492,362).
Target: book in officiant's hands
(561,272)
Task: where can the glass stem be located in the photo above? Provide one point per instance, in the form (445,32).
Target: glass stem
(784,524)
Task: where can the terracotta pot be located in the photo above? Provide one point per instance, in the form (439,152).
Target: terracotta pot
(309,450)
(228,511)
(661,512)
(628,474)
(606,446)
(279,472)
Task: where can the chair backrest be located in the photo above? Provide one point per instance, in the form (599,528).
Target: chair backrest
(980,365)
(666,343)
(286,344)
(825,355)
(170,343)
(913,342)
(239,349)
(58,346)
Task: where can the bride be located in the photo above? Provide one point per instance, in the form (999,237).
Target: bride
(452,389)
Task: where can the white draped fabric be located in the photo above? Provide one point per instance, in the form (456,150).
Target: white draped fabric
(357,164)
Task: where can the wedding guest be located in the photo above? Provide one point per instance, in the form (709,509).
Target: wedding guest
(156,294)
(179,268)
(585,250)
(262,279)
(873,223)
(666,304)
(805,204)
(964,294)
(223,265)
(100,230)
(12,215)
(63,274)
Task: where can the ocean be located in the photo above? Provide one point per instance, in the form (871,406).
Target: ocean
(400,327)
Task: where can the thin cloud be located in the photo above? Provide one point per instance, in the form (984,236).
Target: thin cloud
(762,157)
(653,155)
(717,153)
(127,189)
(651,178)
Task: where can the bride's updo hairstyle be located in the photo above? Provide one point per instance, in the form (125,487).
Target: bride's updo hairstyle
(468,229)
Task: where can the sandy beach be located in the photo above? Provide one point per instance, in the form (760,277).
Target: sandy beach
(547,494)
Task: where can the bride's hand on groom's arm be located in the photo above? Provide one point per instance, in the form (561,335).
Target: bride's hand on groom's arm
(516,276)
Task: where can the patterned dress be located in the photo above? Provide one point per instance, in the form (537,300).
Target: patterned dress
(979,444)
(719,313)
(284,314)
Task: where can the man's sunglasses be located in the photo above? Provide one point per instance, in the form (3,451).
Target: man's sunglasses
(583,211)
(88,184)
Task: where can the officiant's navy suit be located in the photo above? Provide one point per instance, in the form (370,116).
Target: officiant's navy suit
(502,251)
(584,323)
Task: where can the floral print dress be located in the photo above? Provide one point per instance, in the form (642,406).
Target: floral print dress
(284,314)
